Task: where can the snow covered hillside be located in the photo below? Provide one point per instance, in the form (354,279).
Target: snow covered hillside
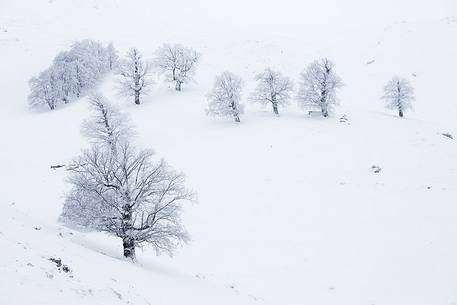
(358,208)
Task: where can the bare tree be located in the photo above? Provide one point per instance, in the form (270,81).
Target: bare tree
(398,94)
(134,71)
(106,125)
(272,88)
(224,99)
(318,86)
(177,62)
(44,90)
(123,191)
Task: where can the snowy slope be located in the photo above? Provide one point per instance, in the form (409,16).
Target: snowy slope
(289,211)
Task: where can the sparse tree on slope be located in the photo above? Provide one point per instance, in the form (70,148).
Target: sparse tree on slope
(178,63)
(106,125)
(134,71)
(224,99)
(398,94)
(318,86)
(272,88)
(123,191)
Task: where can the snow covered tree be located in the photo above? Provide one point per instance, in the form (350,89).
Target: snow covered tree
(82,66)
(106,125)
(128,195)
(43,90)
(72,74)
(71,77)
(123,191)
(134,71)
(318,86)
(224,99)
(272,88)
(92,56)
(398,94)
(177,62)
(111,56)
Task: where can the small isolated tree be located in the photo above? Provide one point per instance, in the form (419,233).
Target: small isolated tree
(398,94)
(318,86)
(177,62)
(122,191)
(134,71)
(272,88)
(224,99)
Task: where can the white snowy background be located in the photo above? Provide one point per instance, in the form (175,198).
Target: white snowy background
(289,210)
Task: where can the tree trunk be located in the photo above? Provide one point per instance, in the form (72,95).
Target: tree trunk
(275,108)
(324,113)
(178,86)
(400,113)
(137,97)
(237,118)
(129,247)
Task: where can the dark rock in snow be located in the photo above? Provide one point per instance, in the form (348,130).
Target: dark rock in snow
(376,169)
(65,268)
(57,261)
(344,119)
(60,265)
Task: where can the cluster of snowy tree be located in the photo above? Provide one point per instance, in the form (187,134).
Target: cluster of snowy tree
(175,62)
(121,190)
(318,88)
(72,74)
(75,72)
(78,70)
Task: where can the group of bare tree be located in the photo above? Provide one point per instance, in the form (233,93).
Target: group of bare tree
(72,74)
(124,191)
(318,88)
(175,62)
(76,72)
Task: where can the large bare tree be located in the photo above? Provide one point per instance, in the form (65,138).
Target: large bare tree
(124,191)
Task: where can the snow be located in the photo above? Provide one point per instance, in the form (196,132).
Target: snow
(289,210)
